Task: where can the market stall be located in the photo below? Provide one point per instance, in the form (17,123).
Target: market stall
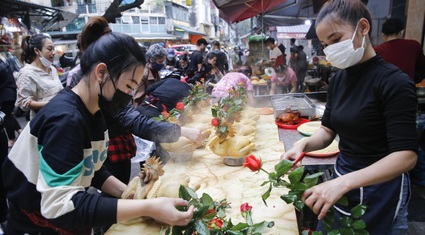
(209,174)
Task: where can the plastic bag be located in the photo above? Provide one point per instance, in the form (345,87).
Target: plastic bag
(144,149)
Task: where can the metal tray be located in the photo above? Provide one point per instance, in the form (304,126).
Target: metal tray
(295,101)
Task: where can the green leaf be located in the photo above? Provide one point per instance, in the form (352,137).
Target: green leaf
(201,228)
(343,201)
(346,221)
(260,227)
(266,195)
(230,232)
(283,167)
(298,186)
(359,225)
(358,211)
(265,182)
(201,211)
(207,200)
(298,204)
(361,232)
(249,219)
(311,180)
(222,128)
(326,225)
(184,193)
(296,175)
(346,231)
(288,198)
(316,233)
(315,175)
(239,227)
(334,232)
(213,112)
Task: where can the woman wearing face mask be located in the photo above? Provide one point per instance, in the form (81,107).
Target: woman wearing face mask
(61,152)
(283,80)
(155,56)
(371,107)
(38,81)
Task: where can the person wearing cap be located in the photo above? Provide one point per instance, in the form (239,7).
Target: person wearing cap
(171,62)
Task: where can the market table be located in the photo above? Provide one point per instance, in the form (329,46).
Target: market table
(237,184)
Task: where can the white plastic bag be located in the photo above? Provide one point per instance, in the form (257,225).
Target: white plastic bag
(144,149)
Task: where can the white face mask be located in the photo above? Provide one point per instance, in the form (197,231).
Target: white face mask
(268,48)
(342,54)
(45,61)
(281,79)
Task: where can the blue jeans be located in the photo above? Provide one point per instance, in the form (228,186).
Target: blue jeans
(400,226)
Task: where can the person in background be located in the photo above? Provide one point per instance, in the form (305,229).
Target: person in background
(7,101)
(284,80)
(197,58)
(371,106)
(155,62)
(275,54)
(282,48)
(38,81)
(406,54)
(7,92)
(301,66)
(171,62)
(62,150)
(232,80)
(222,63)
(183,66)
(209,72)
(236,60)
(294,48)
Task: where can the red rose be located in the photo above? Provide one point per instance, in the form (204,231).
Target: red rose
(215,223)
(210,211)
(180,106)
(165,114)
(245,207)
(225,108)
(215,122)
(253,163)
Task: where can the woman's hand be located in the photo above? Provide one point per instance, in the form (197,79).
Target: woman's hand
(322,197)
(293,153)
(164,210)
(192,134)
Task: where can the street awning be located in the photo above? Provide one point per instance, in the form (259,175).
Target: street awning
(238,10)
(188,30)
(46,18)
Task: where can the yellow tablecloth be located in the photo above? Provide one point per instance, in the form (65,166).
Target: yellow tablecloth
(238,184)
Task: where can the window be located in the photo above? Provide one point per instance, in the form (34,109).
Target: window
(126,19)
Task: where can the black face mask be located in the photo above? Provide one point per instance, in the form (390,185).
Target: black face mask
(119,101)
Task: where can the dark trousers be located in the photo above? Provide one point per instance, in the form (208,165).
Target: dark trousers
(10,122)
(3,155)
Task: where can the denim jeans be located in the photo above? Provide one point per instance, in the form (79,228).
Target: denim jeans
(400,226)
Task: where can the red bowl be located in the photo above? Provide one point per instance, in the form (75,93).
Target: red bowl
(292,127)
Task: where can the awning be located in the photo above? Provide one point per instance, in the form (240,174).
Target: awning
(180,28)
(237,10)
(46,18)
